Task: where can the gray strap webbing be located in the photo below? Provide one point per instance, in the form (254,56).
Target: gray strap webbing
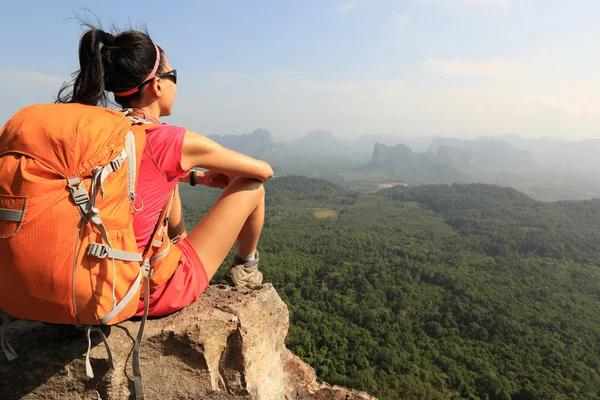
(95,185)
(113,165)
(101,173)
(135,120)
(11,215)
(161,255)
(131,164)
(106,345)
(137,372)
(80,197)
(88,365)
(9,352)
(94,217)
(125,300)
(102,251)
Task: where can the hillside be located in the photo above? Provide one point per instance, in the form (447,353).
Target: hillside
(318,141)
(365,142)
(437,292)
(487,153)
(399,162)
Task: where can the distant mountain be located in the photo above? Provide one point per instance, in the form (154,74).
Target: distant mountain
(320,141)
(401,156)
(575,155)
(256,144)
(560,152)
(400,162)
(487,153)
(535,146)
(397,156)
(454,157)
(418,144)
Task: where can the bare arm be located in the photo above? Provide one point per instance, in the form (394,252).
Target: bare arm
(202,152)
(176,222)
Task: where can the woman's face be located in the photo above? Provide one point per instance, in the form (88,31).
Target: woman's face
(167,89)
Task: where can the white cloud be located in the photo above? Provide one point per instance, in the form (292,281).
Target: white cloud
(502,3)
(227,77)
(347,6)
(348,87)
(570,102)
(526,96)
(291,81)
(29,79)
(402,19)
(493,68)
(26,88)
(287,72)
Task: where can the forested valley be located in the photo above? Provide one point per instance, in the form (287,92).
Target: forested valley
(434,292)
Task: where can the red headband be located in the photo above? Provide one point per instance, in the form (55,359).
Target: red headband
(137,88)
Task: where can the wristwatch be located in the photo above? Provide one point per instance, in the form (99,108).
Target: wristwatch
(193,177)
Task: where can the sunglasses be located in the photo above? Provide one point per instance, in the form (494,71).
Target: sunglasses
(169,74)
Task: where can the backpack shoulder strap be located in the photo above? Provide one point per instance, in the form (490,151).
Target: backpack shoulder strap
(135,145)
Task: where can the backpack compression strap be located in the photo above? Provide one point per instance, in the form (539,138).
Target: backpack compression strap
(159,232)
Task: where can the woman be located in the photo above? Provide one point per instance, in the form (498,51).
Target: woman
(139,74)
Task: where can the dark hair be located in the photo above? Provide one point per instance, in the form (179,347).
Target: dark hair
(111,63)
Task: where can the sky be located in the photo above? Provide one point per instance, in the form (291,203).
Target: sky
(461,68)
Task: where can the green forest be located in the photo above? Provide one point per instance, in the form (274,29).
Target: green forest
(434,292)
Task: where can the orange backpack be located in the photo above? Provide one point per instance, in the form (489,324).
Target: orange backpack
(68,252)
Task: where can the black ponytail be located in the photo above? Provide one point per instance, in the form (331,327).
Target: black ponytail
(111,63)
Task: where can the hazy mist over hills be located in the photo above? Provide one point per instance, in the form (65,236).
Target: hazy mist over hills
(491,152)
(545,168)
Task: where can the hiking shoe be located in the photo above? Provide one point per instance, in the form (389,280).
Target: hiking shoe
(244,273)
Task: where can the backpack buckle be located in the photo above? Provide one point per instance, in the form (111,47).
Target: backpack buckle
(116,163)
(78,192)
(97,250)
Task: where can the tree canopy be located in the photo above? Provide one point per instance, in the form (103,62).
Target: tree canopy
(435,292)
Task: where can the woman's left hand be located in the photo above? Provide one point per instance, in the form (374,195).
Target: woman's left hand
(216,179)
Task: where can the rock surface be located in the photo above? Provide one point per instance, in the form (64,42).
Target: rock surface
(227,345)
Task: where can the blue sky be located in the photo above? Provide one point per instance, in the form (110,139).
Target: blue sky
(408,67)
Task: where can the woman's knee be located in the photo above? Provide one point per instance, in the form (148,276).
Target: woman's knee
(253,185)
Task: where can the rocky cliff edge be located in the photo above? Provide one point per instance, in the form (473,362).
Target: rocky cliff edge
(227,345)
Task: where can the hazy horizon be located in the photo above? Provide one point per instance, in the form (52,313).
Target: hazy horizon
(414,68)
(451,135)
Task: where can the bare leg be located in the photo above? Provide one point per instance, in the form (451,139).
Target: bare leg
(238,215)
(247,240)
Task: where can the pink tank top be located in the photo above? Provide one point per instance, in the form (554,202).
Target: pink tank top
(160,172)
